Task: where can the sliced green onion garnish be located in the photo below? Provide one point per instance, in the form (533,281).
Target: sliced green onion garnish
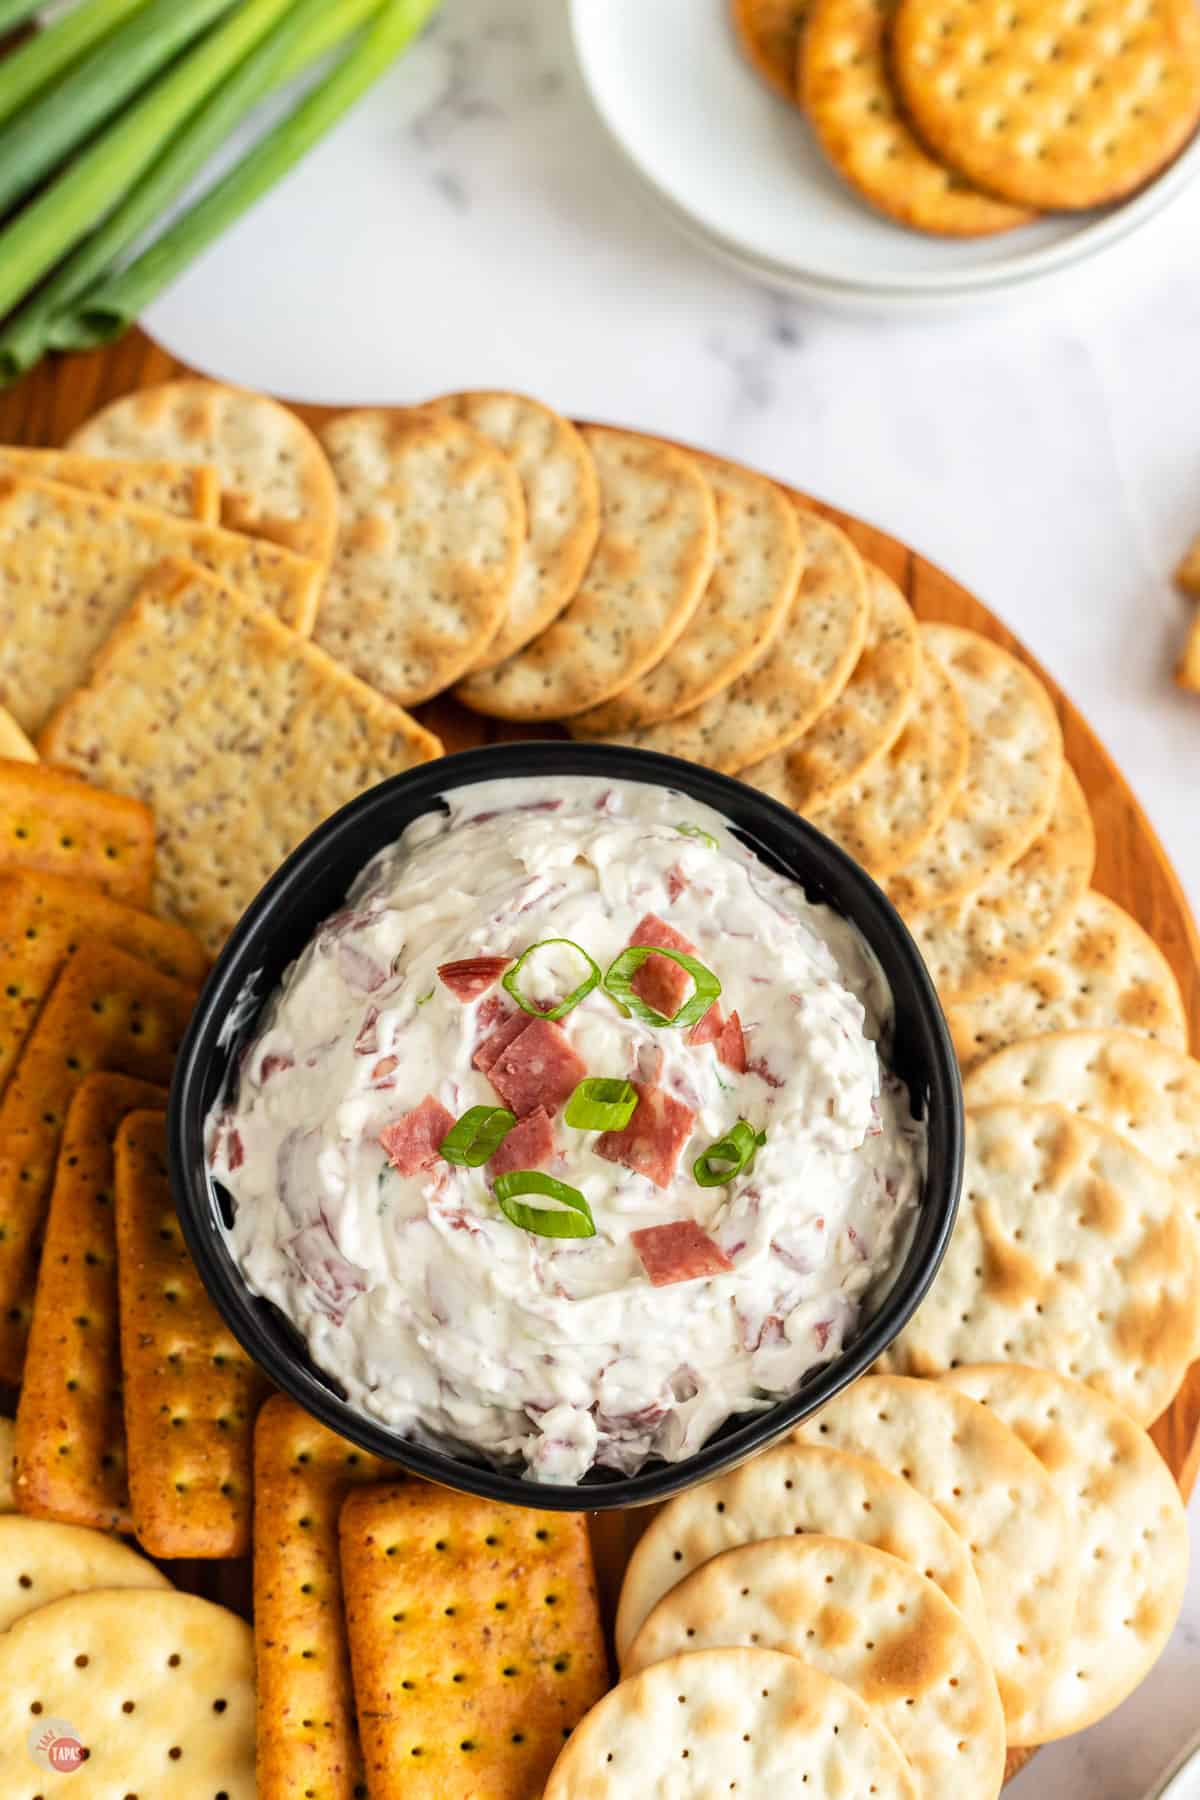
(698,832)
(618,982)
(591,980)
(729,1156)
(473,1138)
(422,998)
(601,1104)
(575,1220)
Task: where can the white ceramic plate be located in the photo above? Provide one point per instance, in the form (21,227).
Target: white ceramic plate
(737,168)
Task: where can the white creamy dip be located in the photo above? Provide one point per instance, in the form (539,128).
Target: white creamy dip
(437,1315)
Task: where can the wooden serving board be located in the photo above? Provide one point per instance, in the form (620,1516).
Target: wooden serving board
(1131,867)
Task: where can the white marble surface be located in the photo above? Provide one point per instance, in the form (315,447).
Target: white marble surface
(471,224)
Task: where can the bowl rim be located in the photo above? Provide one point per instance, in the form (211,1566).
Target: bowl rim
(787,839)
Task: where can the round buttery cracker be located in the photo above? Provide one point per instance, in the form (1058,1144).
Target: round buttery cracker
(769,32)
(846,89)
(40,1562)
(1051,104)
(1072,1252)
(158,1688)
(994,1492)
(1129,1535)
(654,555)
(792,1489)
(869,1620)
(716,1721)
(433,523)
(562,507)
(275,480)
(740,612)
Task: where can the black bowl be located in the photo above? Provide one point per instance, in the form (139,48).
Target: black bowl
(313,883)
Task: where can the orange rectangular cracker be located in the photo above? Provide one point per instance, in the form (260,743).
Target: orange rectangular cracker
(307,1735)
(191,1392)
(170,487)
(56,823)
(107,1011)
(475,1640)
(70,1428)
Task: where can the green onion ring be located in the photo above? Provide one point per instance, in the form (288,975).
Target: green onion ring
(619,978)
(601,1104)
(509,981)
(476,1136)
(736,1150)
(576,1222)
(698,832)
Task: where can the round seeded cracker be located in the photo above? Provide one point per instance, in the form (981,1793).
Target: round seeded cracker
(769,32)
(41,1561)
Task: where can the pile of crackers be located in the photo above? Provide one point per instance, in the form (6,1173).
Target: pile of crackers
(968,117)
(1187,575)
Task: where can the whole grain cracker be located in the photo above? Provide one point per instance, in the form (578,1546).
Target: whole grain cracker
(55,824)
(770,32)
(158,1688)
(653,558)
(169,486)
(793,1489)
(191,1391)
(7,1472)
(741,611)
(1129,1535)
(865,1618)
(70,1427)
(887,815)
(755,1720)
(70,563)
(275,480)
(803,670)
(1072,1252)
(1188,572)
(994,1492)
(1187,670)
(1102,971)
(846,89)
(1054,105)
(307,1735)
(1013,766)
(562,507)
(106,1011)
(14,745)
(428,551)
(475,1639)
(1001,929)
(257,737)
(41,1562)
(864,721)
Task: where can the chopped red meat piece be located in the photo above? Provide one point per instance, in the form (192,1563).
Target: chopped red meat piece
(676,882)
(536,1068)
(413,1142)
(660,983)
(529,1145)
(473,976)
(708,1029)
(651,1142)
(731,1045)
(511,1025)
(680,1251)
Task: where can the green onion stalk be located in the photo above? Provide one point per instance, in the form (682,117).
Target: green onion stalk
(33,65)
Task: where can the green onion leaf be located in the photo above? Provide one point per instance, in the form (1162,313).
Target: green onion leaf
(422,998)
(473,1138)
(591,980)
(574,1221)
(697,831)
(729,1157)
(601,1104)
(619,979)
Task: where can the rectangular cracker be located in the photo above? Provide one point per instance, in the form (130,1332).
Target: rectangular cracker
(70,1428)
(242,737)
(307,1734)
(170,487)
(7,1504)
(1188,672)
(490,1613)
(191,1392)
(106,1011)
(52,821)
(70,563)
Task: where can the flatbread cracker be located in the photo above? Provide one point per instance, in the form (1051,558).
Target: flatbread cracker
(752,1720)
(866,718)
(887,815)
(1001,929)
(248,767)
(307,1734)
(70,1427)
(1072,1252)
(994,1492)
(7,1502)
(653,558)
(168,486)
(740,613)
(275,481)
(53,823)
(1102,971)
(865,1618)
(1013,766)
(14,745)
(1187,671)
(191,1391)
(474,1637)
(769,32)
(70,563)
(41,1563)
(1129,1535)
